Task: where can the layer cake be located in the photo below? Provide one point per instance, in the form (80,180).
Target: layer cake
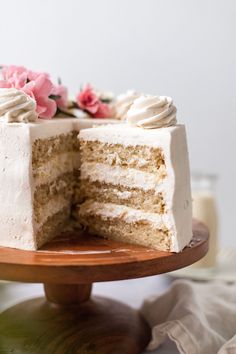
(129,182)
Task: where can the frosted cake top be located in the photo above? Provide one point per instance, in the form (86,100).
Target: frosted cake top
(26,95)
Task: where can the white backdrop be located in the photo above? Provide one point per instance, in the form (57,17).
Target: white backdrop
(182,48)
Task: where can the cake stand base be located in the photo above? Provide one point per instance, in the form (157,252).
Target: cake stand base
(68,321)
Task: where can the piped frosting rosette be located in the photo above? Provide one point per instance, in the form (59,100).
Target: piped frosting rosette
(16,106)
(124,102)
(152,112)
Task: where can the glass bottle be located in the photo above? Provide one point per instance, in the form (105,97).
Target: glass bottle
(205,210)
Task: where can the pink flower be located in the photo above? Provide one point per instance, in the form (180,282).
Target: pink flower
(12,71)
(88,101)
(104,111)
(62,92)
(37,85)
(13,76)
(33,75)
(40,89)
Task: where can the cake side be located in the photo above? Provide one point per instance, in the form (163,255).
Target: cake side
(16,199)
(182,197)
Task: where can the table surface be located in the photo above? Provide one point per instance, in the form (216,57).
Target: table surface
(132,292)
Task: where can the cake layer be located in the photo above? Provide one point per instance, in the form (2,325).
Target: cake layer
(117,194)
(116,175)
(125,224)
(53,226)
(129,215)
(56,166)
(45,149)
(53,206)
(143,158)
(62,185)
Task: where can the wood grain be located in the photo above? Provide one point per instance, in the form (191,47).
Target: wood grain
(75,258)
(65,294)
(98,326)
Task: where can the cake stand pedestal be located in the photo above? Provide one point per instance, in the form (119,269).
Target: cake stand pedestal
(68,319)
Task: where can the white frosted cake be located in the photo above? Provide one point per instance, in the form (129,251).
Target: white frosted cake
(129,182)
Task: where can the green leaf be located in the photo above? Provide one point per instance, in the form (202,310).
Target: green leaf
(54,97)
(106,100)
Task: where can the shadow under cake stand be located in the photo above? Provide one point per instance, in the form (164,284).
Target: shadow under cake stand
(68,320)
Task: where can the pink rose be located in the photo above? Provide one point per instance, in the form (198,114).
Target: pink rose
(12,71)
(88,101)
(62,92)
(37,85)
(33,75)
(104,111)
(40,89)
(13,76)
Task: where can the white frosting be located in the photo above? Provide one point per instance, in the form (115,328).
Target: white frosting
(116,175)
(45,128)
(124,102)
(16,106)
(129,215)
(152,112)
(123,195)
(130,136)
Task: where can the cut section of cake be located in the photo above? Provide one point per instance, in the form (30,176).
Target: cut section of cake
(135,183)
(55,160)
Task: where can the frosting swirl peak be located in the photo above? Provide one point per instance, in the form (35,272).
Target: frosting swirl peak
(16,106)
(124,102)
(152,112)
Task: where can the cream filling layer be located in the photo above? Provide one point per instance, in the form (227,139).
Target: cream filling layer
(116,175)
(52,207)
(129,215)
(50,170)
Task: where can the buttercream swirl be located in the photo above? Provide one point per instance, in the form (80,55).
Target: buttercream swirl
(123,103)
(152,112)
(16,106)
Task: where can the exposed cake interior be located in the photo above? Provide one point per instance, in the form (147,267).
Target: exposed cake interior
(121,223)
(118,186)
(55,164)
(117,191)
(131,188)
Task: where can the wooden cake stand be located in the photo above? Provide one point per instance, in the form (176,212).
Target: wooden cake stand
(69,320)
